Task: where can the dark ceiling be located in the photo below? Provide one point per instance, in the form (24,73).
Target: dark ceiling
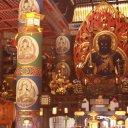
(51,25)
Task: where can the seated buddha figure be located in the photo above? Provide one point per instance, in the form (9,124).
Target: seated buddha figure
(106,61)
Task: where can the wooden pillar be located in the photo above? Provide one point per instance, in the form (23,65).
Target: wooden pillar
(1,57)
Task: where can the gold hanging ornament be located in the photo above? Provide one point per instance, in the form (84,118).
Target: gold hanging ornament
(60,83)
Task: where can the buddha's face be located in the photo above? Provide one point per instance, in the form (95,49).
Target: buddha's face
(26,4)
(104,42)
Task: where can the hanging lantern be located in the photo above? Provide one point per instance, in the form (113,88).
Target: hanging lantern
(32,22)
(33,19)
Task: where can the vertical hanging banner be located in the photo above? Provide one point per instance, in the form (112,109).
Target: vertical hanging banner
(29,65)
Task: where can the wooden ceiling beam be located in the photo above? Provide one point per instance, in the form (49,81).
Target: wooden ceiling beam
(8,10)
(9,19)
(5,28)
(7,3)
(16,27)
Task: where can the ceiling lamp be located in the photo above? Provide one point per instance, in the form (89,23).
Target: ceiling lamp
(32,21)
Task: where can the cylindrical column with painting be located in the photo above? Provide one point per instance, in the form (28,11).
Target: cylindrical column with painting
(29,67)
(64,54)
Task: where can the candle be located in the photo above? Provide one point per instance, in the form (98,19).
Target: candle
(41,111)
(65,110)
(126,123)
(85,81)
(54,110)
(116,80)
